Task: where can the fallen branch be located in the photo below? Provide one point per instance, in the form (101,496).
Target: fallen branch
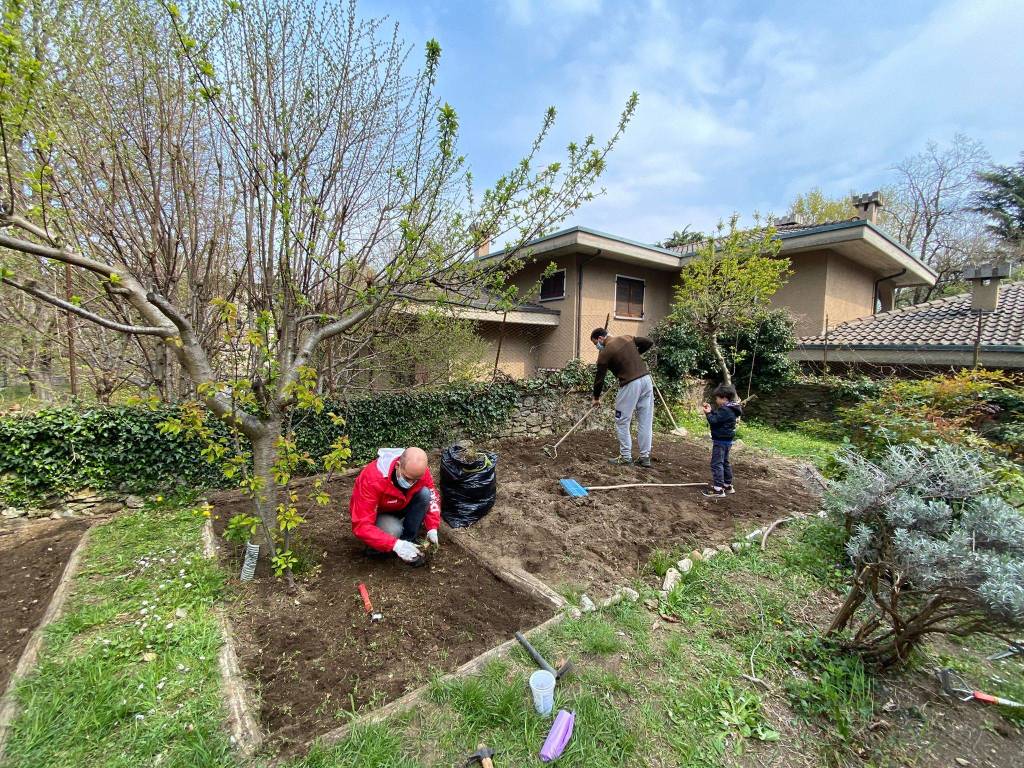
(773,526)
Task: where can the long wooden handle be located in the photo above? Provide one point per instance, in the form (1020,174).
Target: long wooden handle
(643,485)
(574,426)
(662,398)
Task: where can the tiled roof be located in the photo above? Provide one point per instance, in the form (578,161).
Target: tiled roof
(942,323)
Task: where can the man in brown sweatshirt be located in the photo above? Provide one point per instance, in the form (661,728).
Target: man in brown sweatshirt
(621,355)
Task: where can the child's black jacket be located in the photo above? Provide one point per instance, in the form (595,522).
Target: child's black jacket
(723,422)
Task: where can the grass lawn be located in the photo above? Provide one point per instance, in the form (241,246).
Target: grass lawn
(128,676)
(793,443)
(725,670)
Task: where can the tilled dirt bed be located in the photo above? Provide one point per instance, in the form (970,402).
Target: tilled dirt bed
(32,559)
(313,655)
(604,540)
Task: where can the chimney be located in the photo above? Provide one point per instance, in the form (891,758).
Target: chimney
(483,249)
(868,206)
(984,280)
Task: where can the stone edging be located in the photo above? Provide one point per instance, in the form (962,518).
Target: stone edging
(27,662)
(245,731)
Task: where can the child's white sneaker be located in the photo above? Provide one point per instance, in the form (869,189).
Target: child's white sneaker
(714,492)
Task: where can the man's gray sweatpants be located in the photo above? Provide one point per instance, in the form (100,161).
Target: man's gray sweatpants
(637,396)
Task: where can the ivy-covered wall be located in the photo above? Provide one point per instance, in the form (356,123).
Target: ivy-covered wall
(58,450)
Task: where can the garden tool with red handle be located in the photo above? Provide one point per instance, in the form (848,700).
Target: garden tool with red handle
(951,685)
(374,617)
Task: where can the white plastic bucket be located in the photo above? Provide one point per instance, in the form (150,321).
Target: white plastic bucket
(542,685)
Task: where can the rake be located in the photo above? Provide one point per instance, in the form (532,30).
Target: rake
(675,427)
(577,491)
(552,450)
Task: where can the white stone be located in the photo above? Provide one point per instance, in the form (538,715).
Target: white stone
(134,502)
(708,553)
(12,512)
(586,604)
(629,593)
(685,565)
(672,577)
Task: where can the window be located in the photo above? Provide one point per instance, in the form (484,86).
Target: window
(629,297)
(553,287)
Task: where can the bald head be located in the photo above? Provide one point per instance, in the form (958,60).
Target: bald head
(413,463)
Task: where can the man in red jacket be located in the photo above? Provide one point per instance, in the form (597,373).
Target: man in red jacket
(393,496)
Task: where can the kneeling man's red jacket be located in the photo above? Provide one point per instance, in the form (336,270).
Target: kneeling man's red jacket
(375,492)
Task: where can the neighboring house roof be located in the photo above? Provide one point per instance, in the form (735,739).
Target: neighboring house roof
(858,240)
(482,309)
(609,246)
(929,331)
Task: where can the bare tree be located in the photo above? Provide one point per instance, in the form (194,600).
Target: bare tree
(928,210)
(281,180)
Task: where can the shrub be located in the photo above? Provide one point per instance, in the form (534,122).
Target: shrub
(958,408)
(934,550)
(761,351)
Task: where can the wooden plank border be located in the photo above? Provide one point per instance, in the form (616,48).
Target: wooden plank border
(30,654)
(238,697)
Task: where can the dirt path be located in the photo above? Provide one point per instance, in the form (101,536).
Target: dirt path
(601,541)
(32,559)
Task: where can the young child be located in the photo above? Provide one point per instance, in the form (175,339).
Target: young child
(722,421)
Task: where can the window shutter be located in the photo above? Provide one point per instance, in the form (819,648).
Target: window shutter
(629,297)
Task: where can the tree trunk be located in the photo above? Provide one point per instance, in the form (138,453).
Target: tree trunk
(723,367)
(264,455)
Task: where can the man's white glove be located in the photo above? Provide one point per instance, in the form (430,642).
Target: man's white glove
(432,537)
(406,550)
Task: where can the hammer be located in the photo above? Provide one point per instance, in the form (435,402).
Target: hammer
(482,756)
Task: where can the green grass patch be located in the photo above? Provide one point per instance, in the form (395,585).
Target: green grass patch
(128,676)
(803,444)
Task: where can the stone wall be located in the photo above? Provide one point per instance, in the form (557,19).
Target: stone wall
(553,414)
(799,401)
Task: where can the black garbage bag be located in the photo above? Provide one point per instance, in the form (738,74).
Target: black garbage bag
(469,485)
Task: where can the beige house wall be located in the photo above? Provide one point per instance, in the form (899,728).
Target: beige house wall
(555,348)
(520,345)
(599,301)
(850,292)
(804,292)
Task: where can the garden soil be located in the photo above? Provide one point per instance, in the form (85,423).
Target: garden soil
(606,539)
(314,656)
(32,560)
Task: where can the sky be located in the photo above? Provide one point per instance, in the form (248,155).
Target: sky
(743,105)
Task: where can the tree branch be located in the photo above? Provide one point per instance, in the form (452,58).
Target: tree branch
(62,255)
(141,330)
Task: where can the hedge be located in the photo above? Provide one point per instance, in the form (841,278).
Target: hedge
(60,449)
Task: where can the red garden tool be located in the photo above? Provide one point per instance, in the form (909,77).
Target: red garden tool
(368,605)
(957,687)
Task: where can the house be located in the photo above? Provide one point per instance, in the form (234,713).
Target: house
(984,327)
(841,271)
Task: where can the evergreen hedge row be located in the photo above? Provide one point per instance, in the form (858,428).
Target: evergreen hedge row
(60,449)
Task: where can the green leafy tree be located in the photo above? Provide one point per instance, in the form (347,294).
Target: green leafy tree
(815,207)
(1001,199)
(728,284)
(258,189)
(757,354)
(935,551)
(684,237)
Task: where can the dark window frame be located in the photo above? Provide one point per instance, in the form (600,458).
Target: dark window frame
(549,277)
(626,313)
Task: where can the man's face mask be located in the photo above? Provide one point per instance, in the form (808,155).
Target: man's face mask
(599,345)
(403,483)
